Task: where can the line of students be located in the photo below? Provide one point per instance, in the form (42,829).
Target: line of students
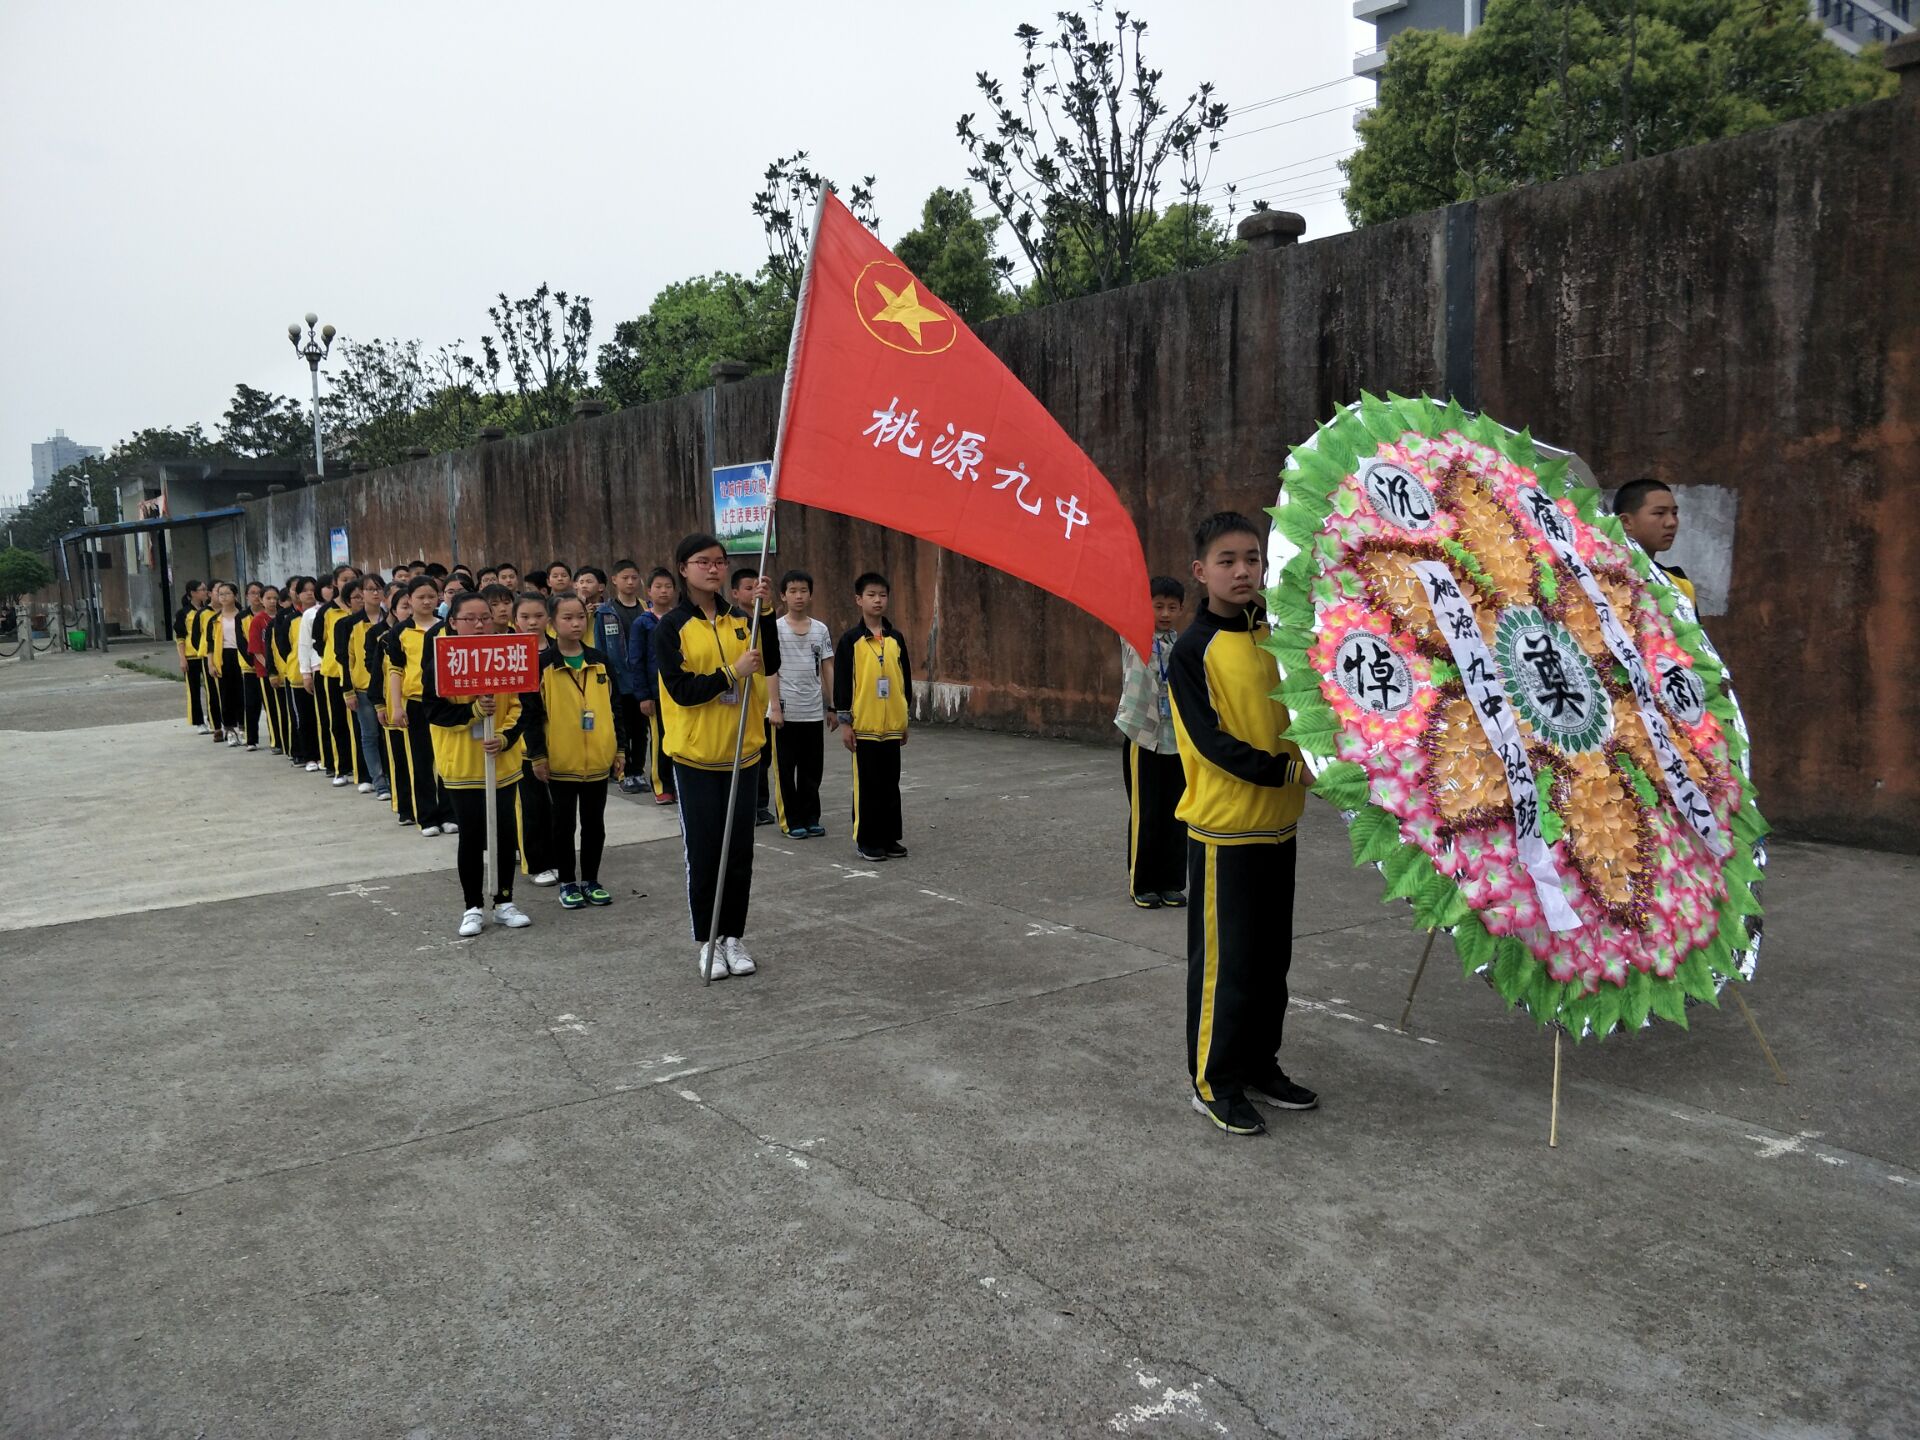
(341,666)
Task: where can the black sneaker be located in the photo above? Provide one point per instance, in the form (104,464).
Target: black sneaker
(1276,1088)
(1148,901)
(1173,899)
(866,854)
(763,817)
(1232,1113)
(896,851)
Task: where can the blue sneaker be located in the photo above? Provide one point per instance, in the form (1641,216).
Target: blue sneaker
(571,897)
(818,832)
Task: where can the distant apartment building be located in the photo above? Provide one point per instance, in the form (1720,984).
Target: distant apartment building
(1850,24)
(50,457)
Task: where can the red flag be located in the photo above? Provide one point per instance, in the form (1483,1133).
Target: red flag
(896,413)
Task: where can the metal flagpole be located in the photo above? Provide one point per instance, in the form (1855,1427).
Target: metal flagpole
(766,535)
(493,821)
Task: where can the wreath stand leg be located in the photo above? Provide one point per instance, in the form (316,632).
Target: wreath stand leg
(1553,1120)
(1407,1014)
(1779,1075)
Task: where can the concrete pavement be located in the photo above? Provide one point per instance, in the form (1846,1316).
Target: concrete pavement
(290,1159)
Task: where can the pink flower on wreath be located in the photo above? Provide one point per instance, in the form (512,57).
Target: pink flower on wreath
(1334,626)
(1507,480)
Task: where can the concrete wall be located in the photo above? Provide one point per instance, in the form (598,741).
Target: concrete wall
(1740,317)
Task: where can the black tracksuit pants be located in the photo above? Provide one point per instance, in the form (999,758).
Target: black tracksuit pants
(535,805)
(636,728)
(306,722)
(232,691)
(703,818)
(799,751)
(253,689)
(876,794)
(399,771)
(343,734)
(430,805)
(587,800)
(1239,948)
(196,693)
(1156,840)
(470,812)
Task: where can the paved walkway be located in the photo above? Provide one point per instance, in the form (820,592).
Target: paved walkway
(284,1157)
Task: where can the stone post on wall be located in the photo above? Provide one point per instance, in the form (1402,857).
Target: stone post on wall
(1271,229)
(1903,58)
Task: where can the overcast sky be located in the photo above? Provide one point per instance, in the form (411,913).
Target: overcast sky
(182,180)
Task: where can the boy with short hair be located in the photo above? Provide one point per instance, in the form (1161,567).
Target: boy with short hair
(611,622)
(749,592)
(499,606)
(1245,789)
(662,592)
(590,583)
(798,710)
(1650,514)
(1150,760)
(873,696)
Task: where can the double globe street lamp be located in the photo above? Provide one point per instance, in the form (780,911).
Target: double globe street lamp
(313,349)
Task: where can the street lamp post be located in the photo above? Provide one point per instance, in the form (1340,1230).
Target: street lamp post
(313,350)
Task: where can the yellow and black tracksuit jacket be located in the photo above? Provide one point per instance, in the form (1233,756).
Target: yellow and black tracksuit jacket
(406,652)
(457,757)
(371,657)
(1680,582)
(197,632)
(579,748)
(350,646)
(184,621)
(695,656)
(216,640)
(860,662)
(326,621)
(283,646)
(1245,785)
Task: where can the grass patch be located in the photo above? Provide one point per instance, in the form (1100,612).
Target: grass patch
(140,667)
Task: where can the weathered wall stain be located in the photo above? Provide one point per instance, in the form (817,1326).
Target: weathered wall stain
(1743,315)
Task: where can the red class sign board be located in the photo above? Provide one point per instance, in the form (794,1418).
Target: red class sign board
(465,665)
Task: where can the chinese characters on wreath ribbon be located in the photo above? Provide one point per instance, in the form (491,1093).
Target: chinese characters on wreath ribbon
(1488,692)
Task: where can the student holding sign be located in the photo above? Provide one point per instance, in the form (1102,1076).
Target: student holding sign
(461,745)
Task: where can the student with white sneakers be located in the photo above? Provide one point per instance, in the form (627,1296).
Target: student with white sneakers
(709,668)
(459,755)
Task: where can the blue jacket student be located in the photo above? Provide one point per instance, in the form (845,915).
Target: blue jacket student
(642,667)
(613,644)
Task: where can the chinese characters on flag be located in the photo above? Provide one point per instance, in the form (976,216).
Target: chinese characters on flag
(896,414)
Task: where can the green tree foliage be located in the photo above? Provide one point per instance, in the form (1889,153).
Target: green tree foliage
(784,203)
(689,325)
(545,339)
(22,573)
(1550,88)
(263,426)
(1185,237)
(1074,161)
(382,396)
(952,251)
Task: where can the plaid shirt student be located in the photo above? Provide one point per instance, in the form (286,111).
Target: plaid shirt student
(1143,716)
